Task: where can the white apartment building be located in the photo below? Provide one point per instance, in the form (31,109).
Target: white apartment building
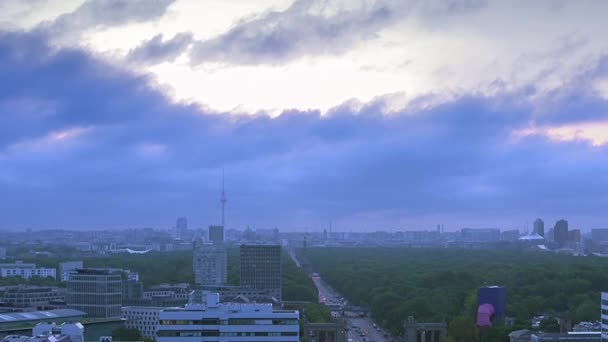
(604,305)
(26,271)
(142,318)
(210,263)
(228,322)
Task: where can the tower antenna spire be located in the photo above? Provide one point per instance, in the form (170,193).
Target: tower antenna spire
(223,199)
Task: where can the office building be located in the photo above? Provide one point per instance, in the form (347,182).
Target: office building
(560,233)
(261,267)
(26,271)
(176,291)
(144,319)
(539,227)
(216,234)
(23,296)
(213,321)
(494,296)
(210,263)
(66,267)
(132,289)
(98,292)
(604,308)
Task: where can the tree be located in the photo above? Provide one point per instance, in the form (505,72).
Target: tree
(123,333)
(549,325)
(462,329)
(587,311)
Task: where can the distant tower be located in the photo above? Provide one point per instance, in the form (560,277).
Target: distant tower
(539,227)
(223,199)
(560,232)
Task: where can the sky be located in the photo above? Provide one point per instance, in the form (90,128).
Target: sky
(370,114)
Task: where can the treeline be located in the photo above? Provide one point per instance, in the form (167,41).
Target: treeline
(441,284)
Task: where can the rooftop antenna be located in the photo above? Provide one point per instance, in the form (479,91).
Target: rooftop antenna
(223,198)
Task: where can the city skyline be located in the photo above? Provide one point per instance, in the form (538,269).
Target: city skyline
(373,115)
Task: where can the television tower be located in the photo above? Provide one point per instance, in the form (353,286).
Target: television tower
(223,198)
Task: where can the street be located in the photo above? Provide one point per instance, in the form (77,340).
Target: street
(360,329)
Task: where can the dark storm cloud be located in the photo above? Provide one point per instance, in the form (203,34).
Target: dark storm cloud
(308,27)
(156,50)
(106,13)
(85,144)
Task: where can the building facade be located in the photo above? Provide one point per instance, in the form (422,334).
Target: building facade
(26,271)
(539,227)
(144,319)
(210,263)
(32,296)
(97,292)
(261,267)
(560,233)
(66,267)
(216,234)
(604,306)
(228,322)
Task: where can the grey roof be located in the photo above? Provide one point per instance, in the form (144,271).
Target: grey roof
(39,315)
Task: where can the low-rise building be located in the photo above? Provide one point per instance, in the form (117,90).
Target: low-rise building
(175,291)
(24,319)
(22,296)
(26,271)
(227,322)
(573,336)
(51,332)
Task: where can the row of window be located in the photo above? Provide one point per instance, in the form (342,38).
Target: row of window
(234,321)
(216,333)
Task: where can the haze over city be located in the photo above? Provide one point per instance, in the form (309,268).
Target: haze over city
(372,115)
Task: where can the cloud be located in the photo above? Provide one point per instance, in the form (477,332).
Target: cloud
(95,14)
(314,27)
(156,50)
(84,144)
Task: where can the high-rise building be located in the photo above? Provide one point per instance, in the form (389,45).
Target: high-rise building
(98,292)
(539,227)
(216,234)
(228,322)
(261,267)
(560,233)
(210,263)
(181,228)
